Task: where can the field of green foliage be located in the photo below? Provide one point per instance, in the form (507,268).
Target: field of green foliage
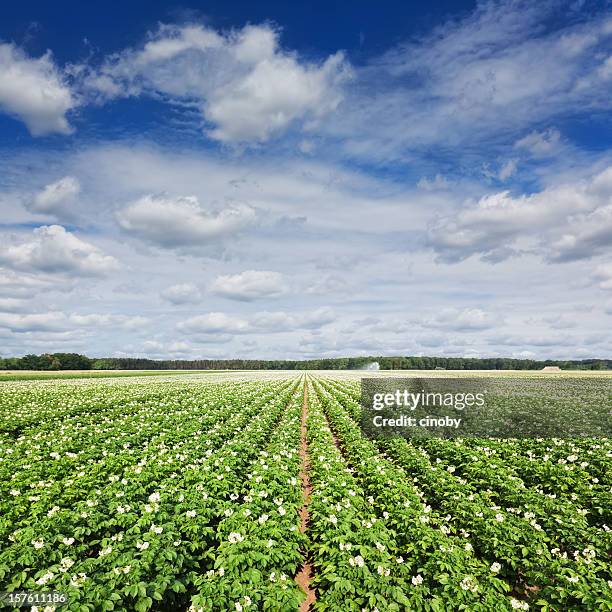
(255,492)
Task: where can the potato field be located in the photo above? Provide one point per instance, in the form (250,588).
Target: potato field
(260,492)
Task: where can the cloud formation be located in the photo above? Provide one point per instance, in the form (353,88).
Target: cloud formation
(55,321)
(56,198)
(35,91)
(540,144)
(247,87)
(23,285)
(477,71)
(182,221)
(603,276)
(349,185)
(53,249)
(183,293)
(260,322)
(467,319)
(249,285)
(562,223)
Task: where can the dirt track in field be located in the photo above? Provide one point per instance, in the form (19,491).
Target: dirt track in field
(304,576)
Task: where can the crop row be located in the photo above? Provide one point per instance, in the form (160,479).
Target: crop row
(258,540)
(47,466)
(444,571)
(530,558)
(356,558)
(575,520)
(139,527)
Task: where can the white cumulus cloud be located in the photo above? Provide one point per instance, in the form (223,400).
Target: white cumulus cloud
(249,285)
(247,87)
(182,221)
(260,322)
(183,293)
(34,90)
(56,197)
(53,249)
(214,322)
(563,222)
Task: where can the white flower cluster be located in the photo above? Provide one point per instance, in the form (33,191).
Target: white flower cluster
(235,537)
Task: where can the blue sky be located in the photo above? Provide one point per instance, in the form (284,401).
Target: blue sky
(280,180)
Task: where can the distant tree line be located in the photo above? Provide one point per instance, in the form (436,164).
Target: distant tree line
(47,361)
(74,361)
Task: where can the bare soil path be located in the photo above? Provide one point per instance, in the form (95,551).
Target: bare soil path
(304,576)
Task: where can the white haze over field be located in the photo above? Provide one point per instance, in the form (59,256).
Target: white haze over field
(373,366)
